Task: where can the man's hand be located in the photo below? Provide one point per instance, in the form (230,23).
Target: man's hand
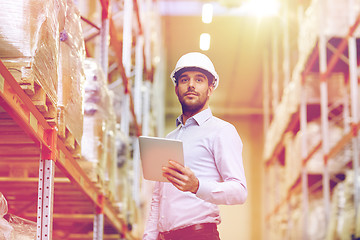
(181,177)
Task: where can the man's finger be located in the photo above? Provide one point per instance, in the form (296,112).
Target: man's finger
(176,164)
(174,181)
(174,172)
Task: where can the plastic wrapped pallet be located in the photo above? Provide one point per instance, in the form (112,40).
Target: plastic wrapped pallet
(97,110)
(111,159)
(290,161)
(335,85)
(29,46)
(284,113)
(315,163)
(291,100)
(296,217)
(357,220)
(331,17)
(5,227)
(276,185)
(342,219)
(316,225)
(123,154)
(71,76)
(313,138)
(13,227)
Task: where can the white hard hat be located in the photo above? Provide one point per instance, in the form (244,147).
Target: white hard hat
(195,60)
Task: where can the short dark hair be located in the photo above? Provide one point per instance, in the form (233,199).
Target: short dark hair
(209,76)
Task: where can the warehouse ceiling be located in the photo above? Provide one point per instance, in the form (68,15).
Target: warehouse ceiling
(236,49)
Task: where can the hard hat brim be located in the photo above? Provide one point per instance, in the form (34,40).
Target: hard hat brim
(178,71)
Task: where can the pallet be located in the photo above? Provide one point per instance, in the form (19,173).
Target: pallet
(71,142)
(91,170)
(23,74)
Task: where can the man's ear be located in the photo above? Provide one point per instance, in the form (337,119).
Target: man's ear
(210,90)
(177,90)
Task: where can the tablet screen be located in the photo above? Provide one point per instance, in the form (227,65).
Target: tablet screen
(155,153)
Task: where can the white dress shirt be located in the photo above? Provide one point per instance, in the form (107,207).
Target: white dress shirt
(213,151)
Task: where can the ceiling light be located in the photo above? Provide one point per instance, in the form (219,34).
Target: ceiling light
(262,7)
(205,41)
(207,12)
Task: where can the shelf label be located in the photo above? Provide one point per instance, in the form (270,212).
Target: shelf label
(2,80)
(33,122)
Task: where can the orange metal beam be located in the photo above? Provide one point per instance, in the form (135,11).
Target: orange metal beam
(340,49)
(312,61)
(20,107)
(105,9)
(277,150)
(312,152)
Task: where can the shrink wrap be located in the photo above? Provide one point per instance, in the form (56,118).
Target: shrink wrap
(13,227)
(71,74)
(99,124)
(342,220)
(29,41)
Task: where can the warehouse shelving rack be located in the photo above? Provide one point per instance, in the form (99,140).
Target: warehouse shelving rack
(26,138)
(43,171)
(325,65)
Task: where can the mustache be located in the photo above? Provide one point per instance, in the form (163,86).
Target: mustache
(191,92)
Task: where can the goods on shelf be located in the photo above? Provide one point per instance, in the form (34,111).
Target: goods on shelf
(357,221)
(342,219)
(122,158)
(111,176)
(283,116)
(277,185)
(289,104)
(13,227)
(99,119)
(293,159)
(336,88)
(29,34)
(296,217)
(331,17)
(279,225)
(316,225)
(71,77)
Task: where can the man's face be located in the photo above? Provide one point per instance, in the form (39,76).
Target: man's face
(193,91)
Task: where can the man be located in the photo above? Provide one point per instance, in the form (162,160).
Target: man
(185,208)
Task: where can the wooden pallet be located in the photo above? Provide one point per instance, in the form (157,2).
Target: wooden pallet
(71,142)
(23,74)
(91,170)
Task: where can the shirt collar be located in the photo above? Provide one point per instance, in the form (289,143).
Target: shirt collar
(199,118)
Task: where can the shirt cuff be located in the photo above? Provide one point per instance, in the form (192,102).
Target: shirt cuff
(205,189)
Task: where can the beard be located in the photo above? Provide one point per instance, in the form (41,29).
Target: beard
(193,105)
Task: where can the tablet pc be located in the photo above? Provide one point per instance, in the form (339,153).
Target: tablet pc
(155,153)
